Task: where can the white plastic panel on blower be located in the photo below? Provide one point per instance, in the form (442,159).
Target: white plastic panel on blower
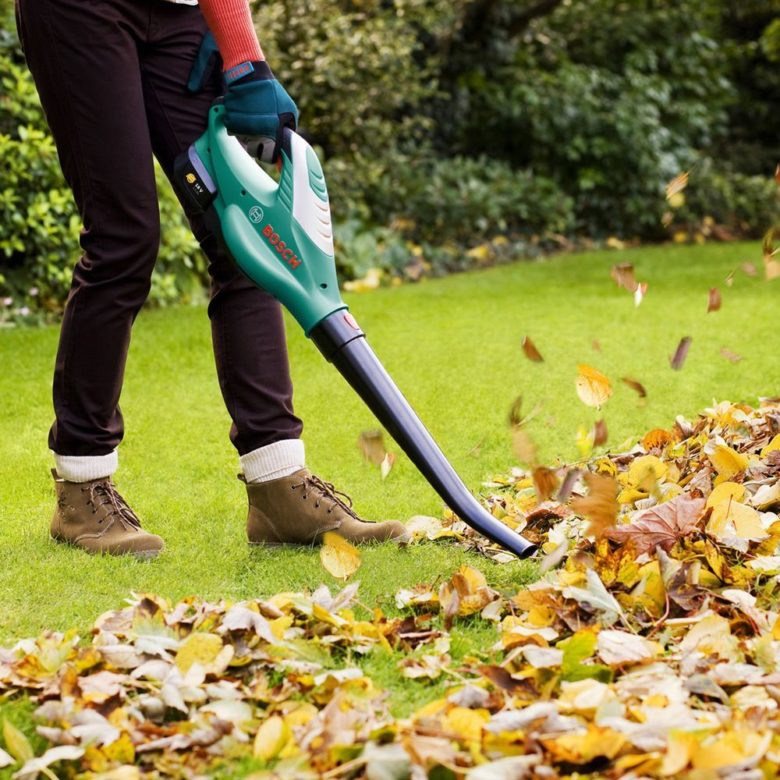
(311,213)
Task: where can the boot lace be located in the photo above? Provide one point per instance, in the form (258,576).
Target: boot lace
(325,492)
(105,494)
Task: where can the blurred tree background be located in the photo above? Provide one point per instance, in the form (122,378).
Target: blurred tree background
(462,132)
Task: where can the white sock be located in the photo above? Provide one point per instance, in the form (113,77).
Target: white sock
(85,468)
(273,461)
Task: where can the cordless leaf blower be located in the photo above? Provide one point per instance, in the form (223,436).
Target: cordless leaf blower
(280,235)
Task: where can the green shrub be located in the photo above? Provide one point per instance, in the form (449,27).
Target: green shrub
(39,223)
(738,204)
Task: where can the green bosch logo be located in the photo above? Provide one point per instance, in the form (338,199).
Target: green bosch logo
(256,214)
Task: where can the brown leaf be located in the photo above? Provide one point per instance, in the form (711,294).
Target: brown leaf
(732,357)
(372,445)
(568,483)
(523,447)
(749,269)
(677,184)
(545,483)
(677,360)
(656,439)
(596,344)
(635,385)
(600,506)
(771,265)
(663,525)
(600,433)
(777,174)
(530,350)
(623,275)
(713,304)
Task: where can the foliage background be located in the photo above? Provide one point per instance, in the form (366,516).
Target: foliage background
(464,131)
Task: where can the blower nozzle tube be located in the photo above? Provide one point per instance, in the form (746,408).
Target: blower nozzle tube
(343,343)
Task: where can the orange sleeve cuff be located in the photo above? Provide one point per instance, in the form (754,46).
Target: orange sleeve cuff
(233,28)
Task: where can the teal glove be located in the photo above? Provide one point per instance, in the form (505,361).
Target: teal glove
(207,60)
(256,104)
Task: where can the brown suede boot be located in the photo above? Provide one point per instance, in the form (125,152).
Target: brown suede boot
(300,508)
(93,516)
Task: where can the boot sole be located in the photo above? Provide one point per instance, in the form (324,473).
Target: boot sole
(400,541)
(141,555)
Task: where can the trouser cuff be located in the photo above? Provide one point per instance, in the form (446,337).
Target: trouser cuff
(85,468)
(273,461)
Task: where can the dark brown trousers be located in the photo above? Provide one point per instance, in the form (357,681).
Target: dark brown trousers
(112,78)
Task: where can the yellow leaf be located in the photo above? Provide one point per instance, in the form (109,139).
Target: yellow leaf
(732,749)
(198,648)
(677,200)
(338,556)
(772,446)
(16,743)
(727,462)
(593,388)
(645,472)
(725,492)
(271,738)
(680,746)
(676,185)
(584,441)
(466,723)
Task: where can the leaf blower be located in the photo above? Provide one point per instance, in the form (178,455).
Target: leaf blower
(280,235)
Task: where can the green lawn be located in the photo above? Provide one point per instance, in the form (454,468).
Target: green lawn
(453,346)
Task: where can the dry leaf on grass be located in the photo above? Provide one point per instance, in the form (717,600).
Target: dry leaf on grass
(593,388)
(732,357)
(662,526)
(530,350)
(338,556)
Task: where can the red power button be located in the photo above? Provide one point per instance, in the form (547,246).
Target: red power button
(350,320)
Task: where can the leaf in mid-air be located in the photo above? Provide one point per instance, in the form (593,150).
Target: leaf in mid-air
(593,388)
(678,359)
(714,300)
(530,350)
(600,506)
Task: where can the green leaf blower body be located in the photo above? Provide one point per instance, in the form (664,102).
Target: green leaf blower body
(280,235)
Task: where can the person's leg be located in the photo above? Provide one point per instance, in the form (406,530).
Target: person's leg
(287,504)
(83,57)
(247,326)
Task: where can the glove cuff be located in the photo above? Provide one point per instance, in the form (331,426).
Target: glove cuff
(244,72)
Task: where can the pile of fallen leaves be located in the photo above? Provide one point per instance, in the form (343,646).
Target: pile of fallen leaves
(649,648)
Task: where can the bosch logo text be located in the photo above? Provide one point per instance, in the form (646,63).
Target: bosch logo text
(284,251)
